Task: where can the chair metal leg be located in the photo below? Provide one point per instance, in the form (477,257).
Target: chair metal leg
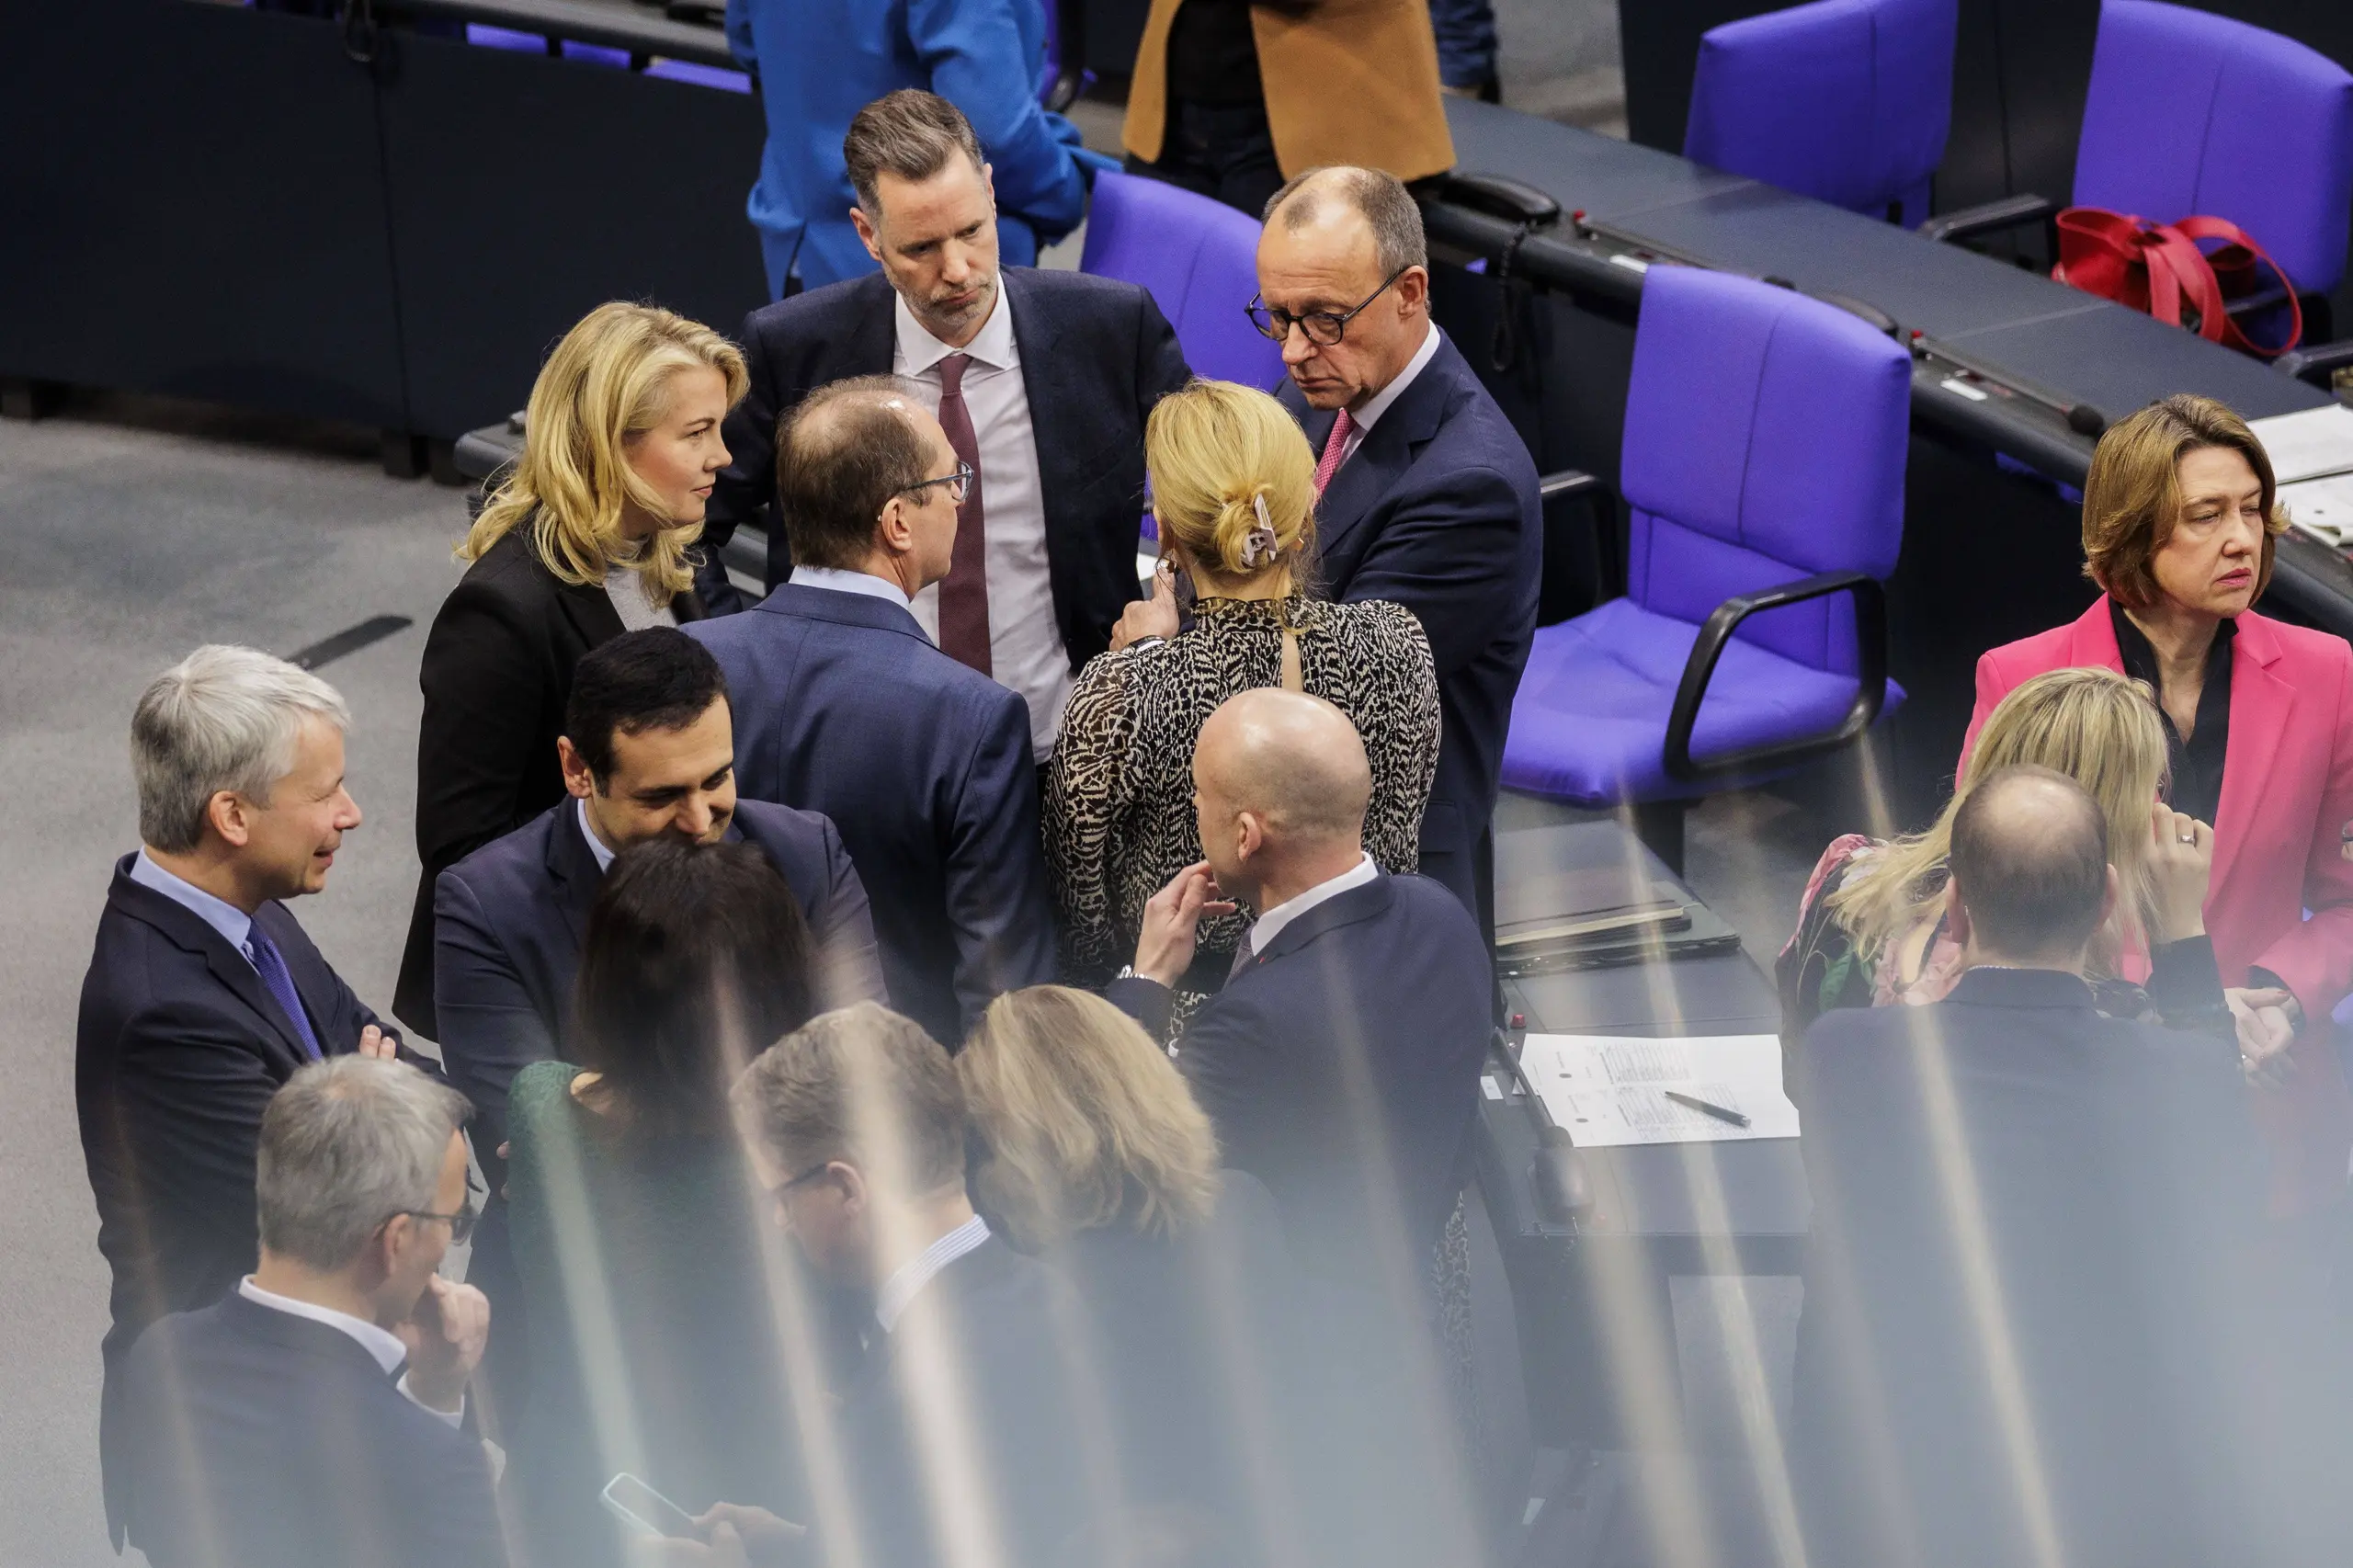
(1659,825)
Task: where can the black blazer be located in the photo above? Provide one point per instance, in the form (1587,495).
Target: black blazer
(177,1053)
(255,1439)
(843,706)
(1342,1067)
(497,673)
(1438,511)
(510,918)
(1096,354)
(2014,1192)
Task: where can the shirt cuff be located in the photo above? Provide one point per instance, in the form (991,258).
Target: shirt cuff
(456,1419)
(2183,977)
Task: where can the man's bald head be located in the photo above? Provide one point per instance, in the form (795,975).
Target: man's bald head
(2030,863)
(1294,760)
(845,450)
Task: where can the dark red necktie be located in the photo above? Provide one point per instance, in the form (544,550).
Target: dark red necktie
(964,593)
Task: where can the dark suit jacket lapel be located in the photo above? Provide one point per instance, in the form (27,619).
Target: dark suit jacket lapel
(189,931)
(871,347)
(1387,449)
(1344,909)
(590,611)
(572,865)
(1047,385)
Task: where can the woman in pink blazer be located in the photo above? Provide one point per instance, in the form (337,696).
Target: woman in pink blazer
(2179,527)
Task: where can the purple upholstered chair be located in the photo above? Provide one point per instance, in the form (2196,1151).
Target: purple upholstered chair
(1763,468)
(1847,101)
(1199,259)
(2193,113)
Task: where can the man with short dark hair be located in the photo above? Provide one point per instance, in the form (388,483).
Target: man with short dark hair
(847,709)
(315,1414)
(2042,1317)
(1041,380)
(1427,495)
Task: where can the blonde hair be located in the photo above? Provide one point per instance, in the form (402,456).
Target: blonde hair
(2094,725)
(2132,494)
(1086,1121)
(606,382)
(1215,449)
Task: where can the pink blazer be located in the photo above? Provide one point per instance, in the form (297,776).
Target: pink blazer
(2287,790)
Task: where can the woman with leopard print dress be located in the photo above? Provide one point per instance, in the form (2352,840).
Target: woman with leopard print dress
(1233,488)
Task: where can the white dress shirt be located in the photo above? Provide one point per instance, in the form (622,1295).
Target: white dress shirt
(906,1281)
(1365,418)
(836,579)
(1025,650)
(1269,925)
(380,1342)
(596,845)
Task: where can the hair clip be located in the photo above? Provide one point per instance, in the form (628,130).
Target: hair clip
(1259,547)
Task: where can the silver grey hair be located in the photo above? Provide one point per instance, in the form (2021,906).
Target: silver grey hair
(223,718)
(345,1144)
(1381,198)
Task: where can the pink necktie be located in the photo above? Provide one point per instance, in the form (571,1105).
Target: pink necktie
(964,593)
(1334,447)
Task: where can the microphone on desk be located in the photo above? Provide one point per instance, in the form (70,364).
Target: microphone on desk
(1556,1173)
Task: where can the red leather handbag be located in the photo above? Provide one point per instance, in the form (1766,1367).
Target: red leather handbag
(2160,269)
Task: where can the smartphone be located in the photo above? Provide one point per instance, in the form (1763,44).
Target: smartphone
(635,1504)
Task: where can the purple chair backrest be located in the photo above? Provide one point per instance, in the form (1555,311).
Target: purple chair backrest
(1847,101)
(1765,443)
(2194,113)
(1198,258)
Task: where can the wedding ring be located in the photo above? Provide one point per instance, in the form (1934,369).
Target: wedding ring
(2189,839)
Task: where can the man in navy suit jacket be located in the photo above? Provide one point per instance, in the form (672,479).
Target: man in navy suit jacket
(2039,1253)
(648,749)
(315,1414)
(1340,1062)
(203,993)
(844,706)
(1427,494)
(1062,368)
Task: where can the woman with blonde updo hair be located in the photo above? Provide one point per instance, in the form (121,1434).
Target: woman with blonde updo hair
(590,535)
(1233,490)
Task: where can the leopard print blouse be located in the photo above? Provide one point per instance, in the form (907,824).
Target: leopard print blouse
(1119,800)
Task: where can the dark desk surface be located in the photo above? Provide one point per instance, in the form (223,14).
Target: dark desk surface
(1747,1192)
(634,25)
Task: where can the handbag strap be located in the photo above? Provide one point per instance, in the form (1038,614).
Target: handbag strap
(2205,228)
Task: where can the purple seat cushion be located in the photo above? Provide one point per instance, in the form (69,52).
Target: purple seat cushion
(1589,724)
(1200,260)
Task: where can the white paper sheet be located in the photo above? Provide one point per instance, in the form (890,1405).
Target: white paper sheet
(2307,445)
(1610,1091)
(2321,508)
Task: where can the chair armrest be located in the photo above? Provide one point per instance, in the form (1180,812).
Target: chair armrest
(1870,646)
(1567,482)
(1990,217)
(1070,55)
(2315,362)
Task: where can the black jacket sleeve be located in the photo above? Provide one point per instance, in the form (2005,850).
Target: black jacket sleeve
(486,685)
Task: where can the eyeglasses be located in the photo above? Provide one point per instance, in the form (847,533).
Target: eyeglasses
(1323,328)
(803,1179)
(462,1224)
(959,483)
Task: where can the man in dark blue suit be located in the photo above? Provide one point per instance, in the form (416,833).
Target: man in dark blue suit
(648,748)
(844,706)
(203,993)
(1340,1062)
(2045,1318)
(1428,495)
(1042,380)
(316,1412)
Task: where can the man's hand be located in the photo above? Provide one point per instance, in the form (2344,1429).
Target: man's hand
(1171,918)
(2181,861)
(2264,1033)
(1154,617)
(723,1549)
(376,1044)
(445,1334)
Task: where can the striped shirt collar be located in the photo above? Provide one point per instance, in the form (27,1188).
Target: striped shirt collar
(907,1281)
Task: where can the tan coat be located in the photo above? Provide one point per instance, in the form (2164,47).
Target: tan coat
(1354,81)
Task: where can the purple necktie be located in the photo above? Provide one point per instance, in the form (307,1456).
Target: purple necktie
(272,968)
(965,592)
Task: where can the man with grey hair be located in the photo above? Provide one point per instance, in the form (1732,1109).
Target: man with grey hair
(1427,497)
(203,993)
(314,1414)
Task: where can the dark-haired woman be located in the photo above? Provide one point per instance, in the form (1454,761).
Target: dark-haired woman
(638,1231)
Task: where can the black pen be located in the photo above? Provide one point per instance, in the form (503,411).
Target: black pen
(1719,1112)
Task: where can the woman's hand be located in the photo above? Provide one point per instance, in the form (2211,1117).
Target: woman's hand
(2181,862)
(1154,617)
(2264,1033)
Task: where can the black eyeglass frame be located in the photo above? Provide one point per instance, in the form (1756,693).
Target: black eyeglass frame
(1264,316)
(803,1179)
(462,1224)
(962,478)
